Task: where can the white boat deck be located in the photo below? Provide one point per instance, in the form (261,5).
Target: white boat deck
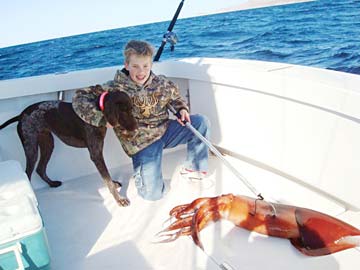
(87,230)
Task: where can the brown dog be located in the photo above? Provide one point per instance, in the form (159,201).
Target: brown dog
(39,120)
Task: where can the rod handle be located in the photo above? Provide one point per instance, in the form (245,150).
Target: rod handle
(176,113)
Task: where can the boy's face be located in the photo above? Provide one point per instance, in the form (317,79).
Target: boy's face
(139,68)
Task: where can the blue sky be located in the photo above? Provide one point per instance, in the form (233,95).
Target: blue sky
(24,21)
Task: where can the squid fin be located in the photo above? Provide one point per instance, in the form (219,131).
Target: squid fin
(320,234)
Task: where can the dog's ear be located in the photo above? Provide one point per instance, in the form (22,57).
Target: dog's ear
(115,104)
(98,87)
(110,111)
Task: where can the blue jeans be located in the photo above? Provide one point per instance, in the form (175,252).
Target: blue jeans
(147,162)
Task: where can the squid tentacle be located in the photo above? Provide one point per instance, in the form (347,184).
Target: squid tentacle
(186,209)
(172,236)
(179,223)
(201,219)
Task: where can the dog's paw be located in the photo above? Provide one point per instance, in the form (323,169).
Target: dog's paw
(54,183)
(117,184)
(123,201)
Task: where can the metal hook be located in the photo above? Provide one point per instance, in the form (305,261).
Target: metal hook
(258,198)
(261,198)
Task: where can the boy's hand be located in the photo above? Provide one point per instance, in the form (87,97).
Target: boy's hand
(185,116)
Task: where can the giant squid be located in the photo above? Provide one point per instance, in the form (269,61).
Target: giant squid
(311,232)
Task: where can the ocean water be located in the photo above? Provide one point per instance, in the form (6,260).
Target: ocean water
(324,33)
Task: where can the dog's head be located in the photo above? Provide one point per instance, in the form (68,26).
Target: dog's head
(118,110)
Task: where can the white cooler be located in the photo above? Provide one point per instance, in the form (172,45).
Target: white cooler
(23,241)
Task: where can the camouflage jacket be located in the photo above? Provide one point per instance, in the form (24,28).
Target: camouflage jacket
(149,108)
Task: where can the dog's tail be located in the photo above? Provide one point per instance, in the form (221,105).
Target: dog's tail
(10,121)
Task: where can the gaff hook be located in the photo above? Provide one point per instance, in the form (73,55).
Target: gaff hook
(261,198)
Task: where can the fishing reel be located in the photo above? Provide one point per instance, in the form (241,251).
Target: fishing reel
(172,38)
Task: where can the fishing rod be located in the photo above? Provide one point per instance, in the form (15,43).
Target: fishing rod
(169,36)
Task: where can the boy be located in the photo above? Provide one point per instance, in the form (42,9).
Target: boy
(150,95)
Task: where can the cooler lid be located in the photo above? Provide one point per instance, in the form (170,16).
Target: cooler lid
(14,182)
(19,215)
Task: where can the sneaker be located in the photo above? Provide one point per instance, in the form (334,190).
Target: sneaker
(192,175)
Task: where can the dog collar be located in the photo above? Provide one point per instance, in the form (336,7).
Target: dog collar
(101,100)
